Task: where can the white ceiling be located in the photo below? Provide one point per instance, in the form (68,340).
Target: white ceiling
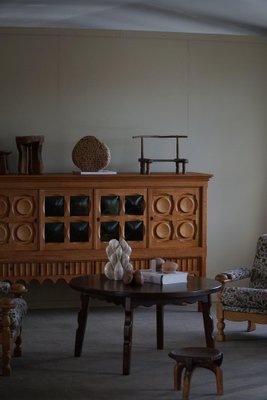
(187,16)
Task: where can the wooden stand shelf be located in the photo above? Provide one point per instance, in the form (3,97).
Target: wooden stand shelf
(57,226)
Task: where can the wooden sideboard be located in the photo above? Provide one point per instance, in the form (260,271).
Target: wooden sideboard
(57,226)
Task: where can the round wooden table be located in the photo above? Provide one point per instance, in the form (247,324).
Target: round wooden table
(98,286)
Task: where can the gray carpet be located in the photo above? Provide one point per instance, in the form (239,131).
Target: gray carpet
(48,369)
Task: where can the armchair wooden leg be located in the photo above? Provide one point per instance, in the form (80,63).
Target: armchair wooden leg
(6,369)
(17,349)
(251,326)
(220,337)
(6,344)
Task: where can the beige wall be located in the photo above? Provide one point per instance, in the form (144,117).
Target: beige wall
(68,84)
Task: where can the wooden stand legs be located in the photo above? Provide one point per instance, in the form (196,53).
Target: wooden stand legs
(30,154)
(4,162)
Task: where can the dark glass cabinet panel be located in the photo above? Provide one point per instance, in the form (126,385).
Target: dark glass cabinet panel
(54,232)
(109,230)
(54,206)
(134,230)
(134,205)
(110,205)
(67,218)
(79,231)
(79,205)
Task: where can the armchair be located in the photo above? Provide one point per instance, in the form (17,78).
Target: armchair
(238,303)
(12,310)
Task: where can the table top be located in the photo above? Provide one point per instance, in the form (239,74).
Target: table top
(99,285)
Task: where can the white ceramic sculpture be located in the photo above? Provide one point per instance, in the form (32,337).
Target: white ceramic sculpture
(118,253)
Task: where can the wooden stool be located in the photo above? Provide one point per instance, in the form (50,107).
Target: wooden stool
(189,358)
(4,162)
(30,154)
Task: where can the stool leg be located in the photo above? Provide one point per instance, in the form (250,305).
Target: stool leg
(187,384)
(219,375)
(23,159)
(251,326)
(177,376)
(187,378)
(219,380)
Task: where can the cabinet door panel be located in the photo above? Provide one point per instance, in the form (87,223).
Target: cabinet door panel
(120,214)
(175,217)
(18,220)
(66,219)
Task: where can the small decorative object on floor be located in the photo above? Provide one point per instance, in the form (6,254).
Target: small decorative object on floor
(189,358)
(4,162)
(146,162)
(118,253)
(30,154)
(90,154)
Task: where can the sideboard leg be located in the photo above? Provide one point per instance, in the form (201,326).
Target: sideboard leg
(82,319)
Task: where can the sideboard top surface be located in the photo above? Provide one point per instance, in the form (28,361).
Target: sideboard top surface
(127,179)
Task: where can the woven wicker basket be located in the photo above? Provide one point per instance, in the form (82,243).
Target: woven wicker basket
(89,154)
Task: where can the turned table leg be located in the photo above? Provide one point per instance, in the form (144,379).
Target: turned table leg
(208,322)
(82,319)
(128,332)
(160,326)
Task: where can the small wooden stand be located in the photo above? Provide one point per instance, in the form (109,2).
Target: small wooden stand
(4,162)
(189,358)
(145,162)
(30,154)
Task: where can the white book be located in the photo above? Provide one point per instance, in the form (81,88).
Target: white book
(164,278)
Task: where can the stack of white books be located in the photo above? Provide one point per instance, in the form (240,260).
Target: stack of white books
(164,278)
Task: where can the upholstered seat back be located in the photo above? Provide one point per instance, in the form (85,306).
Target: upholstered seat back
(258,277)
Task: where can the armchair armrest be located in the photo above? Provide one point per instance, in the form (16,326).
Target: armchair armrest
(18,289)
(4,287)
(235,274)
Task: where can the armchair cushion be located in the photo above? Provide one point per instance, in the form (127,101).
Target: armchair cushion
(249,300)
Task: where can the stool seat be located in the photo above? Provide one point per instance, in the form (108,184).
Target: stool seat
(189,358)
